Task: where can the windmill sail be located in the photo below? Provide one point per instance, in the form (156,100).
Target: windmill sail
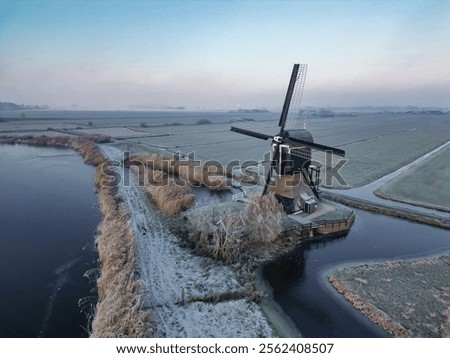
(288,98)
(317,146)
(293,116)
(292,149)
(251,133)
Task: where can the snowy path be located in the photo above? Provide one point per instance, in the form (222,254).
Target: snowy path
(167,269)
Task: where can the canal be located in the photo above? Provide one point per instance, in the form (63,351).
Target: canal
(299,278)
(48,218)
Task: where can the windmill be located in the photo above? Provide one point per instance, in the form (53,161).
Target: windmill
(291,157)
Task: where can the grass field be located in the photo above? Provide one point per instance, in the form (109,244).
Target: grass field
(375,144)
(407,298)
(371,159)
(426,184)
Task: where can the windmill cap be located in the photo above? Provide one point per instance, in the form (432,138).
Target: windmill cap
(301,134)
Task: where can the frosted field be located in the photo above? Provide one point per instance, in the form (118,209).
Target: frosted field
(375,144)
(417,304)
(426,184)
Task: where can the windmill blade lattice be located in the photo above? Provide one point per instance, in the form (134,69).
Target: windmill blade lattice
(293,116)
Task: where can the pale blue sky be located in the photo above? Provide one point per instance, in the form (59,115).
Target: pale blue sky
(223,54)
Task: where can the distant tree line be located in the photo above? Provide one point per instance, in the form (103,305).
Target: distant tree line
(14,106)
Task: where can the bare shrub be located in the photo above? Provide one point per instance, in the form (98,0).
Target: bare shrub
(229,238)
(223,240)
(263,219)
(237,239)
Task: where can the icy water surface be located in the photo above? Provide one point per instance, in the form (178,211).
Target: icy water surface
(48,217)
(299,279)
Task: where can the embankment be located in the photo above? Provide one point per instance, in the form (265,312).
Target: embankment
(86,145)
(382,195)
(401,213)
(119,311)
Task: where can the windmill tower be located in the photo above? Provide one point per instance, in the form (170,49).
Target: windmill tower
(295,179)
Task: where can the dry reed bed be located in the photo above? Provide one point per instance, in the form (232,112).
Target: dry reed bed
(170,196)
(86,145)
(119,311)
(209,174)
(171,199)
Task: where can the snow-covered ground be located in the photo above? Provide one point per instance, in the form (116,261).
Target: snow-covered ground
(167,270)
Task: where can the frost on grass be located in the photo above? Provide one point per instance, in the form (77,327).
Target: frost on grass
(407,298)
(410,186)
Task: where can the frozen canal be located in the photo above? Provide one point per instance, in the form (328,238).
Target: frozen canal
(299,279)
(48,221)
